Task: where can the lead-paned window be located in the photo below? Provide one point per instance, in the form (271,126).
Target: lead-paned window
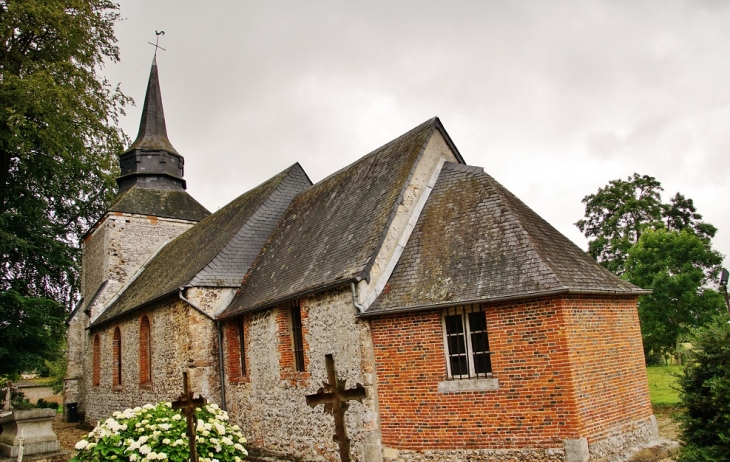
(466,342)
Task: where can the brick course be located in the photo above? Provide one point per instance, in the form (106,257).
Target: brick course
(552,362)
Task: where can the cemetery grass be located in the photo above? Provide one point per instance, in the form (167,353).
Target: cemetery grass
(663,387)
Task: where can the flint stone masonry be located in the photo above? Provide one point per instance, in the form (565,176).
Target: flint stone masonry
(183,339)
(475,455)
(113,251)
(118,247)
(270,406)
(34,426)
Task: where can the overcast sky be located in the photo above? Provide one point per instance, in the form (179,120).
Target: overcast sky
(553,98)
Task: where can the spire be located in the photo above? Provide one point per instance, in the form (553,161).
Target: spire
(151,162)
(152,130)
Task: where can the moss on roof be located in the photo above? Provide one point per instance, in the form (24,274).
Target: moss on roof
(476,241)
(332,232)
(185,256)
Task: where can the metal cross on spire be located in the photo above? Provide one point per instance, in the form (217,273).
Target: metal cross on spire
(157,42)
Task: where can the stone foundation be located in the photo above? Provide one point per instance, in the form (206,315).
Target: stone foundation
(624,438)
(474,455)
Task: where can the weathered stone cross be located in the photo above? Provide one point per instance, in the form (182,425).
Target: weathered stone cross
(187,403)
(335,398)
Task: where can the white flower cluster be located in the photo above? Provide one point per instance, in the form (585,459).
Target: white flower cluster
(151,433)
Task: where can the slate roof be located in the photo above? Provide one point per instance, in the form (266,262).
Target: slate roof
(332,232)
(152,134)
(217,251)
(476,241)
(160,203)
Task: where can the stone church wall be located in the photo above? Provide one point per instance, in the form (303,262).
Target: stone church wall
(113,251)
(182,339)
(268,402)
(536,406)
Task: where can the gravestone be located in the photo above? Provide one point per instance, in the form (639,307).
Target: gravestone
(34,427)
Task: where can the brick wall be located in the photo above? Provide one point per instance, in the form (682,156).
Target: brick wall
(607,358)
(550,359)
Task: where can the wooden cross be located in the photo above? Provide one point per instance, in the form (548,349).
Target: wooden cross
(187,403)
(335,398)
(157,41)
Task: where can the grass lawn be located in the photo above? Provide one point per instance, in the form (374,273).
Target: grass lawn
(663,385)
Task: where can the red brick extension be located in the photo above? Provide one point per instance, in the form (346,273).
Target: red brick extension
(568,367)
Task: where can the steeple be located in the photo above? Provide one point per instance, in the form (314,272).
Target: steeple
(151,161)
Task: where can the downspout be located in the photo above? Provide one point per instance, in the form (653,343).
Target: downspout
(220,365)
(360,308)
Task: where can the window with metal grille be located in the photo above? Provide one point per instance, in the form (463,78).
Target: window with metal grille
(242,344)
(297,341)
(466,342)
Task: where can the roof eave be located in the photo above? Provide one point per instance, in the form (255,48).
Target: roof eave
(507,298)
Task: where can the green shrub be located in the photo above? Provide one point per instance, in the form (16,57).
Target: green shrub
(158,433)
(705,395)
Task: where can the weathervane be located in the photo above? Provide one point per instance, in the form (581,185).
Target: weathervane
(156,44)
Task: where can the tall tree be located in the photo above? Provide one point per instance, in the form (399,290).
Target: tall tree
(678,266)
(665,247)
(616,216)
(58,137)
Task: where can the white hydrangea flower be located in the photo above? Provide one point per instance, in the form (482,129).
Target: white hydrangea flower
(166,441)
(152,456)
(143,439)
(133,457)
(148,406)
(145,449)
(81,445)
(237,447)
(176,417)
(227,441)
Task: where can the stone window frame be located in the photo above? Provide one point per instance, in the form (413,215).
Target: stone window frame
(474,356)
(117,359)
(145,352)
(96,361)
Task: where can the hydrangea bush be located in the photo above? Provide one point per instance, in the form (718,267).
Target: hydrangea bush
(157,432)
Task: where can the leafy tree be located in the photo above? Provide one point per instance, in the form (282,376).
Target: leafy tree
(58,137)
(705,394)
(616,216)
(677,265)
(661,246)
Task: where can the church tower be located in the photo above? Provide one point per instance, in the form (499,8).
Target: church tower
(151,208)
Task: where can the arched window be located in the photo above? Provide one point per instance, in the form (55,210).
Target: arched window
(145,351)
(96,361)
(117,358)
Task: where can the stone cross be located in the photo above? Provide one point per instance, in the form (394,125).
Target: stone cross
(187,404)
(335,398)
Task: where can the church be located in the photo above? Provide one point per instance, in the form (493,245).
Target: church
(464,325)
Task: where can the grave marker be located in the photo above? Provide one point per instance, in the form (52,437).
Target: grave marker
(335,398)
